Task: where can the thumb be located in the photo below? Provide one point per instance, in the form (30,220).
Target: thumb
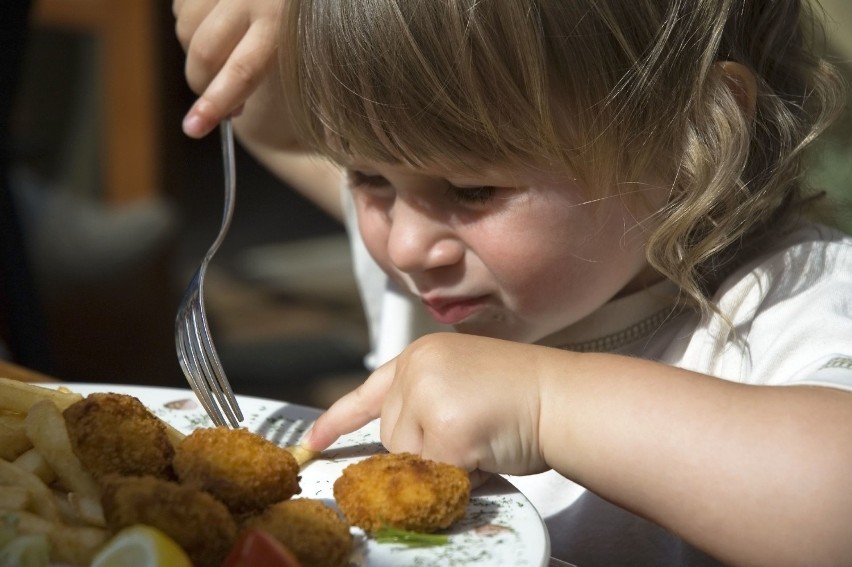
(353,411)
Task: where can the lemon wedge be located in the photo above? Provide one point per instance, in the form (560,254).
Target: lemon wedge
(141,546)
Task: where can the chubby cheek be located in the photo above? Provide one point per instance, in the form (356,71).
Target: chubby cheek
(375,230)
(570,270)
(537,282)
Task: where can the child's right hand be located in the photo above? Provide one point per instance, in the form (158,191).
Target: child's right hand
(230,45)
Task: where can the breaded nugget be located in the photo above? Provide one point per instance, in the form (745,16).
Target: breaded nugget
(240,468)
(404,491)
(314,532)
(115,433)
(199,523)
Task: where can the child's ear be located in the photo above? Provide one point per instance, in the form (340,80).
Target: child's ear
(742,83)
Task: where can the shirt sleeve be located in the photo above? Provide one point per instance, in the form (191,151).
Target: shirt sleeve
(834,370)
(796,319)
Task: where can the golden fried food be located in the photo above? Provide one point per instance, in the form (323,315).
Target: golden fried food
(314,532)
(199,523)
(402,490)
(115,433)
(240,468)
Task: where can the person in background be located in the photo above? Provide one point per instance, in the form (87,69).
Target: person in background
(584,247)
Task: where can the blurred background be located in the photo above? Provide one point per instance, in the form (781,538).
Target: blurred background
(106,209)
(117,207)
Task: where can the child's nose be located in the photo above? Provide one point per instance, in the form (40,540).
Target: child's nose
(418,242)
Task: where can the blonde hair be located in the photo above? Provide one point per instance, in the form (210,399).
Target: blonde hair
(609,89)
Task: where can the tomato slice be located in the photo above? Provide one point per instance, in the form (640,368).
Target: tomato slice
(257,547)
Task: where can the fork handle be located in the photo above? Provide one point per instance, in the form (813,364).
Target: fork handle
(230,170)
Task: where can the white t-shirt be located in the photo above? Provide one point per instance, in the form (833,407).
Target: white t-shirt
(790,315)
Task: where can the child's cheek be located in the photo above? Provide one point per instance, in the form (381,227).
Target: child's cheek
(375,231)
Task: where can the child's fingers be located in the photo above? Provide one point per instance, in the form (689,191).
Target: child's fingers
(404,433)
(213,44)
(232,85)
(189,14)
(229,46)
(351,412)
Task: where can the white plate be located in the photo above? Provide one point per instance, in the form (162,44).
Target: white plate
(501,527)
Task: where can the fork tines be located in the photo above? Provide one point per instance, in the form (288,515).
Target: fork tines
(201,365)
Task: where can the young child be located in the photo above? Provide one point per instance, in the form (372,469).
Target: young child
(604,199)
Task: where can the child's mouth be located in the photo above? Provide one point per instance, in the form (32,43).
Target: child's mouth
(451,311)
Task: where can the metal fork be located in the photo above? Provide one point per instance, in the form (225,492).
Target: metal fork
(195,350)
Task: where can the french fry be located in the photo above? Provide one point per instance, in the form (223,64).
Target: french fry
(31,550)
(14,498)
(33,462)
(89,510)
(13,437)
(302,454)
(12,421)
(19,397)
(42,498)
(67,513)
(46,429)
(76,545)
(175,436)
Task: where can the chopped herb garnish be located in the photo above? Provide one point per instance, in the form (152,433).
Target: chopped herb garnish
(388,534)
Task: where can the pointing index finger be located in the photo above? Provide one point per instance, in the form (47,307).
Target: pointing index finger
(353,411)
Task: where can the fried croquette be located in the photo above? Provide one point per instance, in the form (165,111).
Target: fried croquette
(403,491)
(115,433)
(311,530)
(199,523)
(240,468)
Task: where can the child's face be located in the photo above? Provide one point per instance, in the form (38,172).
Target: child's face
(512,254)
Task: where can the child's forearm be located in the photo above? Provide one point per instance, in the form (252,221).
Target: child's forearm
(314,177)
(751,474)
(263,118)
(264,130)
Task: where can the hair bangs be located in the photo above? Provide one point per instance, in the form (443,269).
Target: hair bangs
(380,82)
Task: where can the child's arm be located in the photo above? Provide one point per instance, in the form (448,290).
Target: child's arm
(231,63)
(751,474)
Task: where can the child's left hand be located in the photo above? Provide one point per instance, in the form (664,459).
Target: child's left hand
(462,399)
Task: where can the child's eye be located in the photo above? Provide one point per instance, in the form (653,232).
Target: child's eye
(360,179)
(471,195)
(376,186)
